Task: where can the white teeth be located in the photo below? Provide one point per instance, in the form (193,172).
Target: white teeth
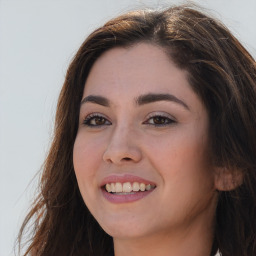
(113,187)
(142,187)
(119,187)
(148,187)
(136,186)
(108,188)
(127,187)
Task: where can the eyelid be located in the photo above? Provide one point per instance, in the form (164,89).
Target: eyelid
(90,116)
(160,114)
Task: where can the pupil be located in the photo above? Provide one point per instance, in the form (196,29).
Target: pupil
(159,120)
(99,120)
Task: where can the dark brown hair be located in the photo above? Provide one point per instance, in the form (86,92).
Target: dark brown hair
(220,71)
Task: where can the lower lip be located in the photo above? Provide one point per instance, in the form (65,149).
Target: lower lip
(120,199)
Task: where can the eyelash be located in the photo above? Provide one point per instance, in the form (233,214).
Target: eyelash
(167,120)
(164,120)
(92,117)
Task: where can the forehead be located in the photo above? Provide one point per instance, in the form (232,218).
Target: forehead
(125,73)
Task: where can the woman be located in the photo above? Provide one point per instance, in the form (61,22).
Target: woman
(154,151)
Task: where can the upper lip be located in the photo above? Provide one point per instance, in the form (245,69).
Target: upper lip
(125,178)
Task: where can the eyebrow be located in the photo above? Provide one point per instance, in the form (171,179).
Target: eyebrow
(152,97)
(96,99)
(141,100)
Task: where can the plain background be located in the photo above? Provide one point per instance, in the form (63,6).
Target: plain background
(38,39)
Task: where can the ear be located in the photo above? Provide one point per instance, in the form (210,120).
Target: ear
(227,180)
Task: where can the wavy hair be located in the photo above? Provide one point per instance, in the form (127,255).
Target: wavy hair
(221,72)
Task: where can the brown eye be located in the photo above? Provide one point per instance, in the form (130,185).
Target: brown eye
(159,120)
(96,121)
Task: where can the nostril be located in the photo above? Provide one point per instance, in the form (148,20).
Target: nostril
(127,159)
(118,155)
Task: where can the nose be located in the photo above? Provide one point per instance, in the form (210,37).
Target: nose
(123,147)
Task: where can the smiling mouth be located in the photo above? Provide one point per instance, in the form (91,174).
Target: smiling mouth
(126,188)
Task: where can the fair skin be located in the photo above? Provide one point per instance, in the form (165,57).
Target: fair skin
(144,123)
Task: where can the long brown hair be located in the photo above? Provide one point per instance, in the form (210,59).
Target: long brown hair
(220,71)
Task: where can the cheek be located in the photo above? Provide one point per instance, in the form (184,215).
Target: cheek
(87,151)
(182,159)
(188,183)
(178,150)
(87,155)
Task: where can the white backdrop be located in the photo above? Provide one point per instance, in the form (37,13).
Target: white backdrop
(37,41)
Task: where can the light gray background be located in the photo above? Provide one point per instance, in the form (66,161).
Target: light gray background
(37,41)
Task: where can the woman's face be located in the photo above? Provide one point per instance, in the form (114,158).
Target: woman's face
(141,153)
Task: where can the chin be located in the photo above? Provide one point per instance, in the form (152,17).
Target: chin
(124,229)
